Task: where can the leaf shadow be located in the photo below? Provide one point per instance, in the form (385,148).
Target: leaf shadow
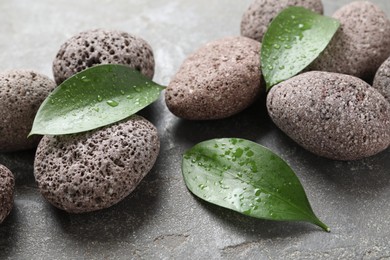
(116,223)
(249,124)
(362,177)
(255,228)
(21,164)
(8,236)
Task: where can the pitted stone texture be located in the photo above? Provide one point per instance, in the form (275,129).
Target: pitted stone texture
(97,169)
(382,79)
(7,186)
(332,115)
(360,45)
(21,94)
(94,47)
(219,80)
(260,13)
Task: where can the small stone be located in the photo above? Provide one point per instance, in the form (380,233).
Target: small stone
(95,170)
(382,79)
(360,45)
(332,115)
(260,13)
(94,47)
(220,79)
(7,186)
(21,94)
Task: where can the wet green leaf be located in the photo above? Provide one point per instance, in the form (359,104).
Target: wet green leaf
(294,39)
(248,178)
(95,97)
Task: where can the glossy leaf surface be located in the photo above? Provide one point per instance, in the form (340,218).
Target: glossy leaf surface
(93,98)
(248,178)
(294,39)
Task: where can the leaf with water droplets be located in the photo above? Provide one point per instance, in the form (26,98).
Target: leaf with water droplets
(248,178)
(93,98)
(294,39)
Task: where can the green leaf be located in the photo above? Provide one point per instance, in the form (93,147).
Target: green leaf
(248,178)
(95,97)
(294,39)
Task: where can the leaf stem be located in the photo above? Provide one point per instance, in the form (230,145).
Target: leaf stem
(321,225)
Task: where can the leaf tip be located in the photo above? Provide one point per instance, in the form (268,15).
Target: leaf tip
(322,225)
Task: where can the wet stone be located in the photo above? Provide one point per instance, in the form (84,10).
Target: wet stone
(332,115)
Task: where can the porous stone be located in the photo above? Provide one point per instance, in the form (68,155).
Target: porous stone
(382,79)
(258,16)
(218,80)
(21,94)
(99,46)
(95,170)
(7,186)
(360,45)
(332,115)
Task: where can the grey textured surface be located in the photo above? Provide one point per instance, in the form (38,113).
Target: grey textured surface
(161,219)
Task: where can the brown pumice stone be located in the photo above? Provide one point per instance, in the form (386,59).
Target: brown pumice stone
(94,47)
(360,45)
(7,186)
(218,80)
(258,16)
(332,115)
(382,79)
(21,94)
(95,170)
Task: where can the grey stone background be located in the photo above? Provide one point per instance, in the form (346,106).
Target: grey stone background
(161,219)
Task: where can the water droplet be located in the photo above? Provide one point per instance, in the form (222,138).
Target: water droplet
(137,89)
(287,46)
(270,67)
(52,101)
(112,103)
(281,67)
(250,153)
(293,17)
(122,92)
(202,186)
(85,79)
(129,97)
(276,46)
(238,153)
(300,26)
(257,192)
(99,98)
